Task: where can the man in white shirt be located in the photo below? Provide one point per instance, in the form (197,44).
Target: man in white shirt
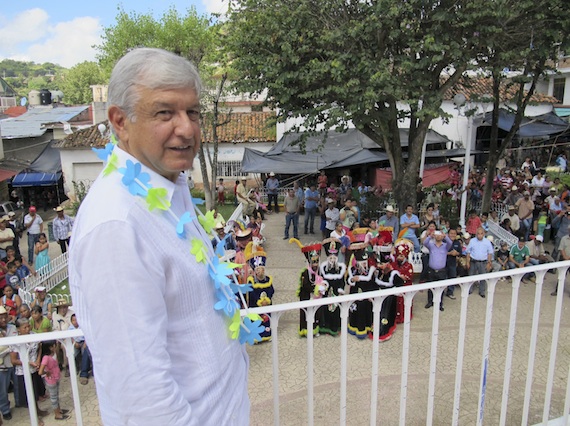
(161,352)
(35,226)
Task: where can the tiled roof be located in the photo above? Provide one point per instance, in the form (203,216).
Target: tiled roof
(89,137)
(243,127)
(476,88)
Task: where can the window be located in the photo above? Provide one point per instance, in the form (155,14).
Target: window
(558,91)
(229,169)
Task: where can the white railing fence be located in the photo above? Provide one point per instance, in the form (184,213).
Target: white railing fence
(49,276)
(466,348)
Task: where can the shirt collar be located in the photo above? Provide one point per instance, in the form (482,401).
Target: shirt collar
(156,180)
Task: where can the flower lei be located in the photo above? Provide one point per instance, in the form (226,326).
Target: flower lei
(246,329)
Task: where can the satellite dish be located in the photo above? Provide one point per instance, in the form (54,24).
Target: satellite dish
(23,101)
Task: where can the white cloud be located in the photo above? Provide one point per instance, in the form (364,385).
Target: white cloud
(216,6)
(66,43)
(27,26)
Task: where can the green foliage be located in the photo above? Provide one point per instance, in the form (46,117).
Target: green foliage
(25,76)
(80,189)
(188,35)
(76,83)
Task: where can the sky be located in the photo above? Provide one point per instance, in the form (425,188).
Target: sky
(63,31)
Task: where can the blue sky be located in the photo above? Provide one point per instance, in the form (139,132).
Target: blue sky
(63,31)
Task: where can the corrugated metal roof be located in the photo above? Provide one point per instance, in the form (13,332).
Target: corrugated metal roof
(31,124)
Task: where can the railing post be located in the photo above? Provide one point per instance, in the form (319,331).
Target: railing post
(460,351)
(30,395)
(408,299)
(274,325)
(69,352)
(310,364)
(344,307)
(437,295)
(487,347)
(376,308)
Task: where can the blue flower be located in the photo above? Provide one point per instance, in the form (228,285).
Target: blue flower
(251,329)
(134,179)
(242,288)
(226,303)
(198,201)
(219,273)
(103,153)
(186,218)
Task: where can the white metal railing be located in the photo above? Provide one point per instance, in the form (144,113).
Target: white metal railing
(408,293)
(438,288)
(48,276)
(65,337)
(501,235)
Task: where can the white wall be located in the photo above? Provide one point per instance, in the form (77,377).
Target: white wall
(78,165)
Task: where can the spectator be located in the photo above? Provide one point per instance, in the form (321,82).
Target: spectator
(479,259)
(50,369)
(6,368)
(389,220)
(299,192)
(41,251)
(473,222)
(11,302)
(502,258)
(519,257)
(43,300)
(348,215)
(332,215)
(560,223)
(564,249)
(525,208)
(428,217)
(6,236)
(244,198)
(537,253)
(39,323)
(345,188)
(451,263)
(529,166)
(292,207)
(322,182)
(272,188)
(438,245)
(62,225)
(82,355)
(561,162)
(513,219)
(409,222)
(35,226)
(221,190)
(311,199)
(433,197)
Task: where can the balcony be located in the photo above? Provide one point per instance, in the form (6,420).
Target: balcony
(502,360)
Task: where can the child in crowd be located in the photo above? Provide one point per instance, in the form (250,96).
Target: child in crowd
(503,256)
(12,278)
(39,323)
(49,369)
(21,270)
(11,302)
(41,251)
(34,355)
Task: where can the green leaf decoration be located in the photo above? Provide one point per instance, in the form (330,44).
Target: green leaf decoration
(198,250)
(112,164)
(156,199)
(207,221)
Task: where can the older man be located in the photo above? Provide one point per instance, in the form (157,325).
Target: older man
(480,259)
(248,205)
(525,210)
(165,357)
(272,188)
(292,207)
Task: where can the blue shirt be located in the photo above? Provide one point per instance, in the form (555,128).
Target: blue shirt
(271,185)
(437,255)
(404,219)
(479,250)
(310,204)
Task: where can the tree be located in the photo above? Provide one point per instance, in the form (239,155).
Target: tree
(378,64)
(532,34)
(76,83)
(191,36)
(332,62)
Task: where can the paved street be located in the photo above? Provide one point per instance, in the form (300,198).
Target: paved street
(284,263)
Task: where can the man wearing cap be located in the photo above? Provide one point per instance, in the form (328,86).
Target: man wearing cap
(6,368)
(35,226)
(389,220)
(62,225)
(332,215)
(6,236)
(272,188)
(480,253)
(536,250)
(519,255)
(512,216)
(525,210)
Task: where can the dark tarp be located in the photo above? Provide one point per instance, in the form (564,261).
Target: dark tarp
(36,179)
(531,127)
(346,149)
(49,161)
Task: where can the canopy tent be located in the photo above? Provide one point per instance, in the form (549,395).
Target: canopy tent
(344,149)
(35,179)
(531,127)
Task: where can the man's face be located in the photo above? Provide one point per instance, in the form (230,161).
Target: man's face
(452,234)
(165,135)
(480,234)
(3,320)
(389,214)
(409,210)
(25,312)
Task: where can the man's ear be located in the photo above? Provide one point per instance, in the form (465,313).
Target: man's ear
(118,119)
